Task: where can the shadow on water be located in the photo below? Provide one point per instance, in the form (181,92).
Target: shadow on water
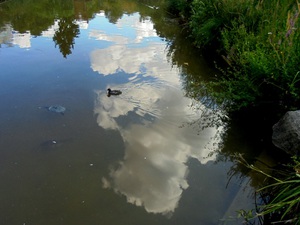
(152,147)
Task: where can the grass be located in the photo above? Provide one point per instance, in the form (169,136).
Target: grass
(257,41)
(281,197)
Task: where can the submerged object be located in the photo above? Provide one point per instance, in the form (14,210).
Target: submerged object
(57,109)
(113,92)
(49,143)
(55,143)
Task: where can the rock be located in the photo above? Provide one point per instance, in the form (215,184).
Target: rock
(57,109)
(286,133)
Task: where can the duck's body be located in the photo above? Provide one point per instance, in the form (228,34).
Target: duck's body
(113,92)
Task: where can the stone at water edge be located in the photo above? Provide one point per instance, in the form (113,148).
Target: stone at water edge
(286,132)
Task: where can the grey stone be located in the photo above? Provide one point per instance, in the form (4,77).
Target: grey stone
(286,132)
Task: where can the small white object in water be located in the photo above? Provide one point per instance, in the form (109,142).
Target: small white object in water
(54,142)
(91,164)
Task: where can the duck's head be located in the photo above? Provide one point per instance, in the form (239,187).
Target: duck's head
(108,92)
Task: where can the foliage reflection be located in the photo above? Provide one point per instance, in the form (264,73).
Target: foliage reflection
(64,36)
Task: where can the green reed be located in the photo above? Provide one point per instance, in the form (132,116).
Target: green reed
(281,197)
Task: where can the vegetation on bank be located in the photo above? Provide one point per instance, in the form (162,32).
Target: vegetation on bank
(258,44)
(280,199)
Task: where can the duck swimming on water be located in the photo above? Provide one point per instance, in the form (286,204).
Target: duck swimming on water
(113,92)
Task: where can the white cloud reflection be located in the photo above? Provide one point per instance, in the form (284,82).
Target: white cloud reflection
(121,57)
(130,60)
(153,171)
(149,115)
(9,37)
(6,34)
(100,35)
(83,24)
(143,29)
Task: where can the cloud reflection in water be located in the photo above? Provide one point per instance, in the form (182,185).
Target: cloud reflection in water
(153,172)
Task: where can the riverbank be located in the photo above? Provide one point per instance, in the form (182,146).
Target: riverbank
(256,48)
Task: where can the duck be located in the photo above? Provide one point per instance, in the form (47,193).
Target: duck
(113,92)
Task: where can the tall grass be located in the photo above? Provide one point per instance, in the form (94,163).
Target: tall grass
(210,17)
(282,196)
(258,41)
(268,54)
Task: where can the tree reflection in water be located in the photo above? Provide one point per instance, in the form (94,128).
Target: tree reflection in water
(65,35)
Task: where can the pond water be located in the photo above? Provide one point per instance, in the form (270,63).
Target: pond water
(141,157)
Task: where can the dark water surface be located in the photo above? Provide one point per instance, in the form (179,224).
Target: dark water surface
(136,158)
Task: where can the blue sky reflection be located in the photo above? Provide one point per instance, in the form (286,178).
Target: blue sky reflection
(153,173)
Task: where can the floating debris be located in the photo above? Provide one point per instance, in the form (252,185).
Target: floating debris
(50,143)
(57,109)
(54,144)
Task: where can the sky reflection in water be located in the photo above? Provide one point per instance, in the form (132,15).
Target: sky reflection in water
(153,172)
(152,115)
